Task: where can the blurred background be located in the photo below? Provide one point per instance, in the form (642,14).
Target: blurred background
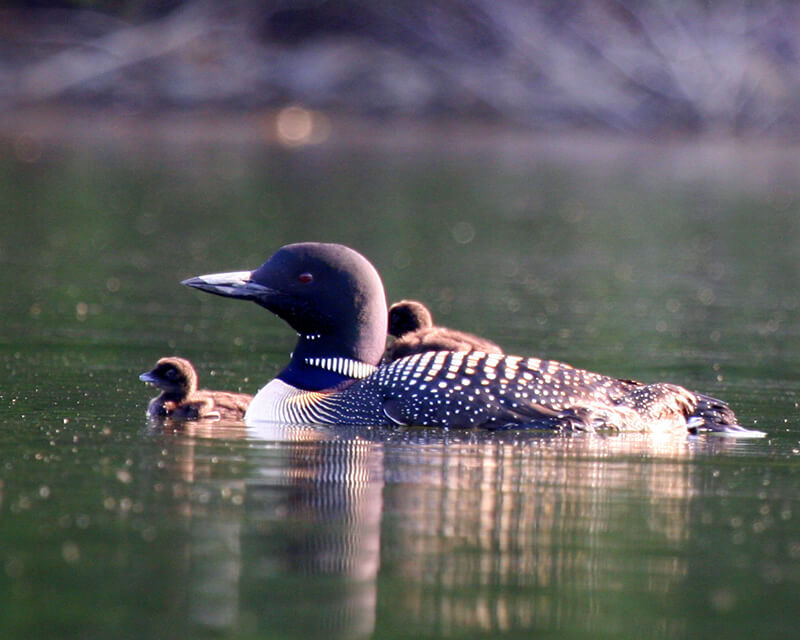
(617,65)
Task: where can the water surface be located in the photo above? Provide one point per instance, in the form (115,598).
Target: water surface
(627,263)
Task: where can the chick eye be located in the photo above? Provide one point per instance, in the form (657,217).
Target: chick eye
(305,278)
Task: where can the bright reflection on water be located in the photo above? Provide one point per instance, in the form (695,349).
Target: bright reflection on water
(110,527)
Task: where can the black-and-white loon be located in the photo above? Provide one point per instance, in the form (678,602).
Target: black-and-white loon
(334,299)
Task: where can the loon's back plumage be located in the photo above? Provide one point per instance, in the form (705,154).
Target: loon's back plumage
(475,389)
(334,298)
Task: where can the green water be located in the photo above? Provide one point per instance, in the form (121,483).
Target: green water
(642,269)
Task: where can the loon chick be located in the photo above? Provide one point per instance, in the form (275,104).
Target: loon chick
(181,399)
(333,297)
(411,323)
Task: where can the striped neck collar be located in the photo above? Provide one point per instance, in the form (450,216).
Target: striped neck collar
(343,366)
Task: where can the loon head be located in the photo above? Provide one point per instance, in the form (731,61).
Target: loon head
(175,376)
(330,294)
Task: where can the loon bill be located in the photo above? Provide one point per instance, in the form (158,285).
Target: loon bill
(334,299)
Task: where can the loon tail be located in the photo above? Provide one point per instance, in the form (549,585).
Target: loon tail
(715,417)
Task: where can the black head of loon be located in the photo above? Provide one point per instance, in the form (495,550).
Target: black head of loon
(331,295)
(411,323)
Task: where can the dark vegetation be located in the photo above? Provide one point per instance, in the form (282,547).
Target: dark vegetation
(631,65)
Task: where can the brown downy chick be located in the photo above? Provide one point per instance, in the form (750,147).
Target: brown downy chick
(411,323)
(182,400)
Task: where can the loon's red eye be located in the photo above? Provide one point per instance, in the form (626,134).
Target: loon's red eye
(305,278)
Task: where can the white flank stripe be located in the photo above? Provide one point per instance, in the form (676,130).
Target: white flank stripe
(436,365)
(422,365)
(474,358)
(493,359)
(455,363)
(410,366)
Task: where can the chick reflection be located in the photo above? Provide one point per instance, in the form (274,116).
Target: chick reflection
(299,532)
(497,535)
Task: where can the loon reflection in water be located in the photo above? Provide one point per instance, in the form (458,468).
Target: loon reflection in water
(334,298)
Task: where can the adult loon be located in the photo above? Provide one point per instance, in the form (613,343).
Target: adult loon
(411,323)
(333,297)
(182,400)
